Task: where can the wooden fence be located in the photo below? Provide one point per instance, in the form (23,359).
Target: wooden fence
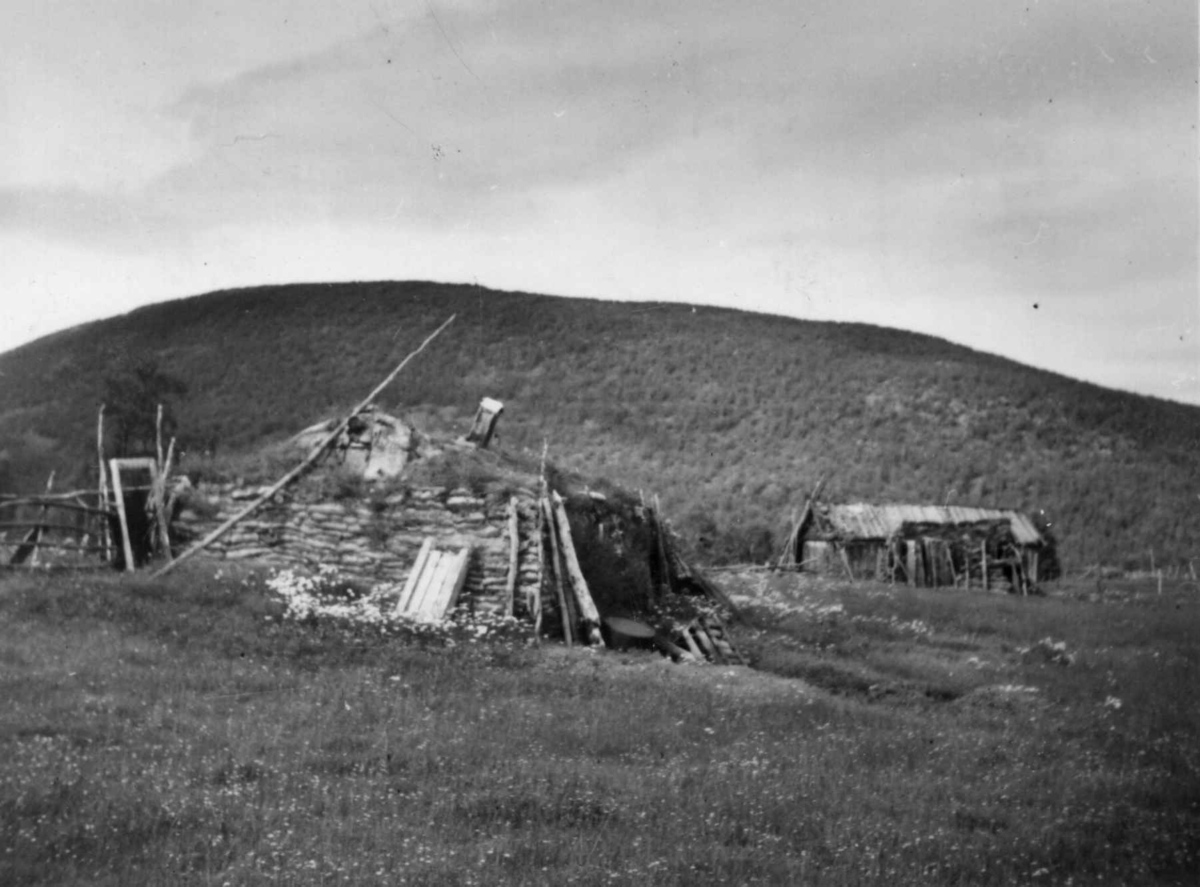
(62,530)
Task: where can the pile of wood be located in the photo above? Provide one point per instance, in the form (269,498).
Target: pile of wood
(701,639)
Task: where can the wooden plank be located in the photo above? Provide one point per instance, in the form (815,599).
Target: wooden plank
(666,574)
(161,513)
(459,568)
(119,496)
(53,502)
(102,490)
(413,575)
(27,525)
(435,605)
(706,644)
(27,549)
(420,583)
(431,579)
(70,496)
(583,595)
(52,544)
(514,553)
(445,591)
(309,460)
(720,638)
(793,544)
(54,568)
(692,646)
(677,653)
(558,569)
(845,561)
(534,601)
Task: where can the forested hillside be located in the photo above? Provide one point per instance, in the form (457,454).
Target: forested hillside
(731,417)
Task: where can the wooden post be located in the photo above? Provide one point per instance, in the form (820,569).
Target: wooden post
(535,599)
(158,492)
(984,567)
(514,551)
(119,495)
(41,520)
(910,557)
(583,595)
(841,549)
(665,576)
(311,458)
(158,435)
(102,487)
(556,565)
(791,552)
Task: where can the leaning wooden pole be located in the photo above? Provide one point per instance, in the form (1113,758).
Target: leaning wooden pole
(162,511)
(309,460)
(588,613)
(790,550)
(565,610)
(102,487)
(514,555)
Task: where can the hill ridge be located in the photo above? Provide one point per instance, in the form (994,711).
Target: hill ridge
(730,415)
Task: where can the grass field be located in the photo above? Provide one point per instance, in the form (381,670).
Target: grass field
(177,732)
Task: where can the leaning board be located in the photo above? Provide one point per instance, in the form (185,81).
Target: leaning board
(434,583)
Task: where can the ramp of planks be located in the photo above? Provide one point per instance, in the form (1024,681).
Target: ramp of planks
(434,583)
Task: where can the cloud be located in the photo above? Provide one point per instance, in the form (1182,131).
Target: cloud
(932,165)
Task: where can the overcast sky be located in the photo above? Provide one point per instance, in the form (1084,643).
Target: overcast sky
(1020,177)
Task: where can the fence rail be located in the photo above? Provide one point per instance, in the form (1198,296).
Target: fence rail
(38,502)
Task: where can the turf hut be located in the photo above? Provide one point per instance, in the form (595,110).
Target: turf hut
(439,524)
(926,545)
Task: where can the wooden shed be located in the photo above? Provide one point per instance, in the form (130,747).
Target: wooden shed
(928,545)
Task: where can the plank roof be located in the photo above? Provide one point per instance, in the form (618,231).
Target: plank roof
(861,520)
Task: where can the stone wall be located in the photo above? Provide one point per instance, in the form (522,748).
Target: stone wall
(374,540)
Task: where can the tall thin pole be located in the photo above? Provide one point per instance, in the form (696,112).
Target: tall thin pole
(309,460)
(102,488)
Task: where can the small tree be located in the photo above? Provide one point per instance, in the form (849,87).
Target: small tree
(132,393)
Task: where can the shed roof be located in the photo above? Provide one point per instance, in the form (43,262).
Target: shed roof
(861,520)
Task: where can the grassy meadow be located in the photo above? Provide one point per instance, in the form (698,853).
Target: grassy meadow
(177,731)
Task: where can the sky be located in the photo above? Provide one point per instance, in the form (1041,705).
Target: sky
(1018,177)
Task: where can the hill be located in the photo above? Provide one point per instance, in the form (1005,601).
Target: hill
(730,416)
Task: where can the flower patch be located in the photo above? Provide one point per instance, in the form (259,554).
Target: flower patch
(326,597)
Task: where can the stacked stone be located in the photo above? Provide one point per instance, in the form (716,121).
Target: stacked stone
(376,540)
(529,556)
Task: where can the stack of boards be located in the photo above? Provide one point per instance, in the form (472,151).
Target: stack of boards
(434,583)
